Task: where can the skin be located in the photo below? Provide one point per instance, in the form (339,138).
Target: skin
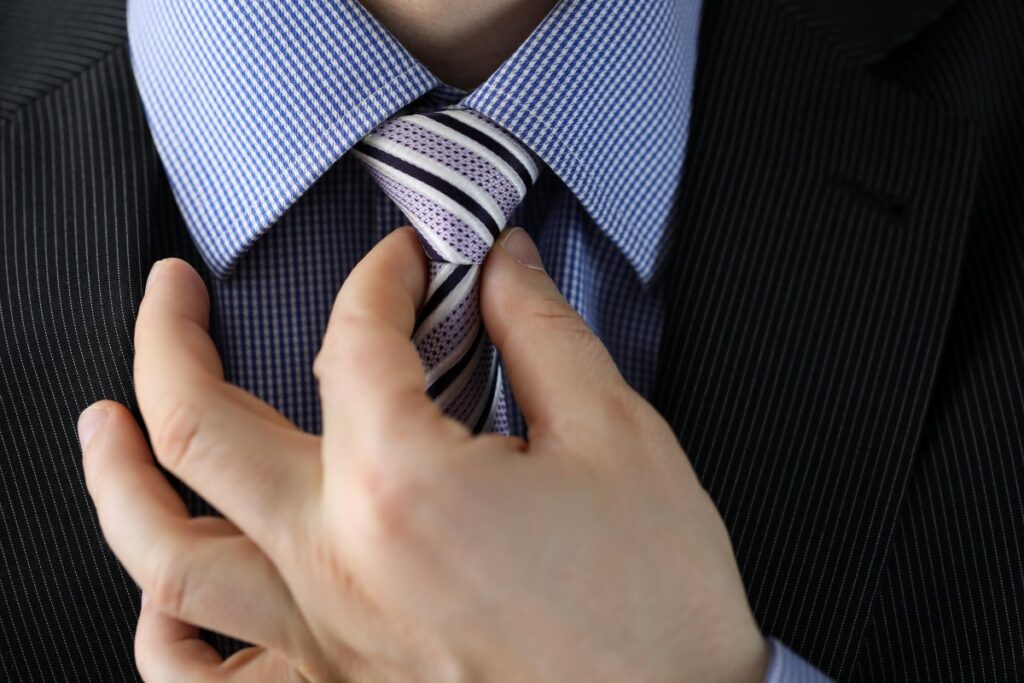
(411,550)
(403,550)
(445,34)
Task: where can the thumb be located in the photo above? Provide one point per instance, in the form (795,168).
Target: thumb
(556,365)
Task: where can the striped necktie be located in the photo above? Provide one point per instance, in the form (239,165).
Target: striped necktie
(458,178)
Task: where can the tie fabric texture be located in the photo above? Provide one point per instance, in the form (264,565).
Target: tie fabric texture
(458,178)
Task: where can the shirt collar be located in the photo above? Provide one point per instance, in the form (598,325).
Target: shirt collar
(250,103)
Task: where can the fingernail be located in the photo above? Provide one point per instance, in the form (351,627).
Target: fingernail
(89,421)
(519,246)
(153,273)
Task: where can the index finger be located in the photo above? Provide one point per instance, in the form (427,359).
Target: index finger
(371,377)
(224,443)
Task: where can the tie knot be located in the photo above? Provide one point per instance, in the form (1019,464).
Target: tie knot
(456,175)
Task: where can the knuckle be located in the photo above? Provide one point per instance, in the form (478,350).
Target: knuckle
(329,352)
(625,407)
(649,423)
(322,362)
(176,438)
(293,674)
(170,579)
(544,317)
(340,352)
(386,502)
(627,414)
(550,309)
(551,316)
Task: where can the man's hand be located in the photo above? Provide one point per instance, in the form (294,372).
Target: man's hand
(399,546)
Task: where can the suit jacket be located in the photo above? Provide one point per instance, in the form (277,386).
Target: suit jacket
(843,355)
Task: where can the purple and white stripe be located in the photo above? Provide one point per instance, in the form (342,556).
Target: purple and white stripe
(458,178)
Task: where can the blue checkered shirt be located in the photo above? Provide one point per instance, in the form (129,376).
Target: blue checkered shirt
(254,105)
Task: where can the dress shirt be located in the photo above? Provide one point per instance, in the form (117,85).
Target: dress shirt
(254,105)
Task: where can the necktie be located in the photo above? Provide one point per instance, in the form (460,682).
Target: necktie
(458,178)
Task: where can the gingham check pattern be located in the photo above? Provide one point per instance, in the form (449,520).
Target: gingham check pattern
(253,106)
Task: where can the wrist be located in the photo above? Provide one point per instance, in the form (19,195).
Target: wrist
(737,655)
(741,655)
(749,663)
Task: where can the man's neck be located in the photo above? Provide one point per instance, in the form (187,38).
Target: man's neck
(462,42)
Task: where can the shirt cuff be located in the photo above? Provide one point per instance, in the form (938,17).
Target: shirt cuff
(785,666)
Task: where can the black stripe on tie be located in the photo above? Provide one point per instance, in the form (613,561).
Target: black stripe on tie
(431,252)
(439,184)
(492,390)
(487,141)
(445,380)
(454,278)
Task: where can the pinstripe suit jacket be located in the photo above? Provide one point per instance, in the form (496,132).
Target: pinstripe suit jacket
(843,356)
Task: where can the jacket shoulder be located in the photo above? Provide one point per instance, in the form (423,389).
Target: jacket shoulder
(45,43)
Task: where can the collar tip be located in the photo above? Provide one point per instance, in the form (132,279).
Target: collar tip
(217,265)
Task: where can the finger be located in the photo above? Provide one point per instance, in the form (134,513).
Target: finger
(168,650)
(199,570)
(371,377)
(552,358)
(166,647)
(233,449)
(181,294)
(172,330)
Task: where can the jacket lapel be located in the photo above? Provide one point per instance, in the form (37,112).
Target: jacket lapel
(867,31)
(823,214)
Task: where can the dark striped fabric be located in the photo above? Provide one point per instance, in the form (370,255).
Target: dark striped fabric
(44,43)
(843,357)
